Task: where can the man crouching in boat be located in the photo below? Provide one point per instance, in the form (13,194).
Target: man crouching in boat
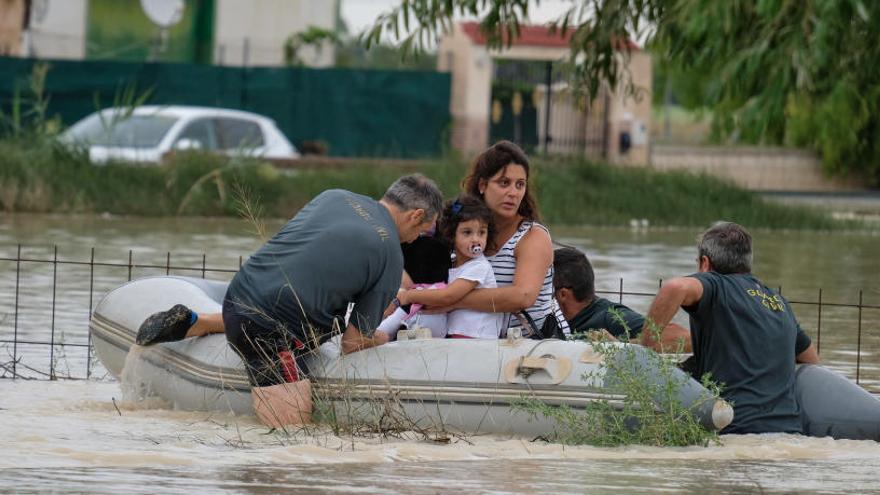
(292,294)
(743,333)
(574,288)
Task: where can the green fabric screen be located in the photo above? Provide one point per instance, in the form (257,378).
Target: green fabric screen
(402,114)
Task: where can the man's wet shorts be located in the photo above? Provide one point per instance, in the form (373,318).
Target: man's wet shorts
(271,357)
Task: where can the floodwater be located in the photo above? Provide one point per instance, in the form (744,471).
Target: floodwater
(83,436)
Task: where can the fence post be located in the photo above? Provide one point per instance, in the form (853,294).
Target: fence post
(606,123)
(168,263)
(819,325)
(91,302)
(548,79)
(243,95)
(52,338)
(129,264)
(15,320)
(859,339)
(204,263)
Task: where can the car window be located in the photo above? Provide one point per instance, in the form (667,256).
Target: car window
(135,131)
(238,133)
(202,132)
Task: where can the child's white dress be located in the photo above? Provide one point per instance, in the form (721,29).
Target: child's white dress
(461,322)
(468,322)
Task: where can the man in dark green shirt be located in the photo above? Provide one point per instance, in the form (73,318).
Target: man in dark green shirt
(575,292)
(744,334)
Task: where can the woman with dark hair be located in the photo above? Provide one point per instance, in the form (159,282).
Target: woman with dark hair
(521,252)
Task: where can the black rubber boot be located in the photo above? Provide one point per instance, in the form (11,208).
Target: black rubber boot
(165,326)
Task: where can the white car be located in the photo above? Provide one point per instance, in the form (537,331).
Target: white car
(148,133)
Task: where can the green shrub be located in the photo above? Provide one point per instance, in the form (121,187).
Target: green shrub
(650,411)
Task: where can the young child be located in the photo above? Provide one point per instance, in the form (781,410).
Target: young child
(464,225)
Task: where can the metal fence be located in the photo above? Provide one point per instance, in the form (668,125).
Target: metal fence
(33,283)
(534,105)
(46,289)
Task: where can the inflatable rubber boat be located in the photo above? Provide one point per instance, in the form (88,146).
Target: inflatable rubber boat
(455,384)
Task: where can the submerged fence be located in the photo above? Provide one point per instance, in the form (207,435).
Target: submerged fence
(59,319)
(46,304)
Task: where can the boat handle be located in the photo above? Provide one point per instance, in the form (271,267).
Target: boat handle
(519,370)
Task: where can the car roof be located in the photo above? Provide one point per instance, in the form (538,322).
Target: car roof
(189,111)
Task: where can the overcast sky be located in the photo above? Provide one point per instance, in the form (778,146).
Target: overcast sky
(360,14)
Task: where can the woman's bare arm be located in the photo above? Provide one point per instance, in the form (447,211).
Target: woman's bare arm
(450,294)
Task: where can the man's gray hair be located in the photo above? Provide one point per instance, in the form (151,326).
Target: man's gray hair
(728,247)
(415,191)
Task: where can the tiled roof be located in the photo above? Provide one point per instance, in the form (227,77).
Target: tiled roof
(529,36)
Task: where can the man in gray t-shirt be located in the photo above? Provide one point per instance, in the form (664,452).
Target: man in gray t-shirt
(743,333)
(342,247)
(292,294)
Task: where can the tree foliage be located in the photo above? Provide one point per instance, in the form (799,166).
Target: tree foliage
(353,55)
(313,36)
(798,72)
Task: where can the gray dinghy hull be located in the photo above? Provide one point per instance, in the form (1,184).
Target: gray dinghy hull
(833,406)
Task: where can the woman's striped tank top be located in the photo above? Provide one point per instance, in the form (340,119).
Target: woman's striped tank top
(504,265)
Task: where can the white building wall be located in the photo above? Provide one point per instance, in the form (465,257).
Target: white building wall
(628,114)
(249,32)
(471,66)
(254,32)
(57,29)
(471,93)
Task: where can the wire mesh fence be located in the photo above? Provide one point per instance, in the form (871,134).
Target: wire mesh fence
(46,301)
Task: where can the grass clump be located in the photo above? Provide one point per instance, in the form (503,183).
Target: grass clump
(38,174)
(652,409)
(584,192)
(47,177)
(379,412)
